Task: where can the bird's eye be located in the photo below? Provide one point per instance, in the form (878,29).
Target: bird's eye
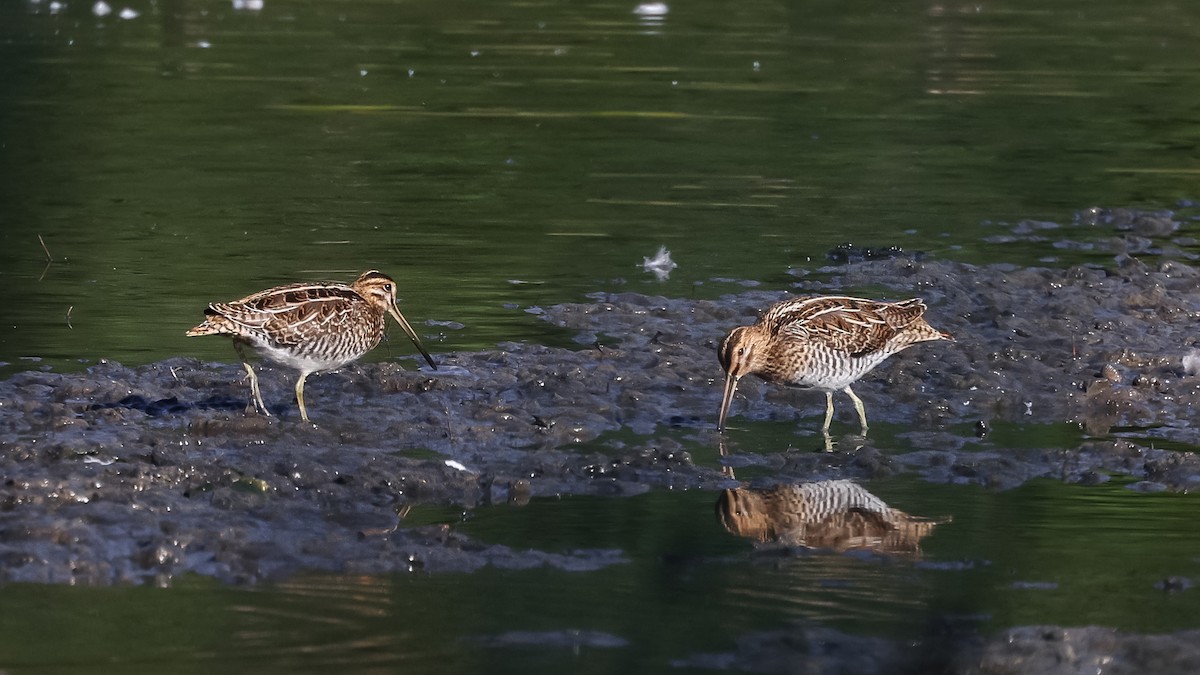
(741,351)
(387,288)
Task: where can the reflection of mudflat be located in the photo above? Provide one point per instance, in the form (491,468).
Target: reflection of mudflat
(834,514)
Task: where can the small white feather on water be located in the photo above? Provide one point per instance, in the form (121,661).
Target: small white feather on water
(661,264)
(1191,362)
(651,9)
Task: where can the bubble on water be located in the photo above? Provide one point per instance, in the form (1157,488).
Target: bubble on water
(129,13)
(101,8)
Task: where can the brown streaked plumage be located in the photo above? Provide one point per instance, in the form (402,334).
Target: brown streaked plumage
(833,514)
(313,327)
(822,342)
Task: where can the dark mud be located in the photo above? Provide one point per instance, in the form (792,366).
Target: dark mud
(123,473)
(1028,650)
(135,475)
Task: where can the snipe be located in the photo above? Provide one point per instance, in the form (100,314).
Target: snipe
(824,343)
(313,327)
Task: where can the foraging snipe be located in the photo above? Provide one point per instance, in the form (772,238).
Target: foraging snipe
(314,327)
(823,342)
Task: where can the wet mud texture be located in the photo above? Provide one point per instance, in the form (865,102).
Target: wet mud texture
(138,474)
(1028,650)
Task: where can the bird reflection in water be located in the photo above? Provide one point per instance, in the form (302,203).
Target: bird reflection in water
(836,514)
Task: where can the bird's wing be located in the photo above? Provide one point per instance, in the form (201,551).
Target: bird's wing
(287,313)
(853,325)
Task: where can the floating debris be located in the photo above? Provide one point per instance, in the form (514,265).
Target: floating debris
(1034,585)
(457,466)
(649,9)
(101,8)
(452,325)
(1191,362)
(652,15)
(851,253)
(661,264)
(571,639)
(1174,584)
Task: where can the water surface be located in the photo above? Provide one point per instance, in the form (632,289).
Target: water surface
(1042,553)
(198,152)
(496,157)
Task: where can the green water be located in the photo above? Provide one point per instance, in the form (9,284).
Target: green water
(198,153)
(689,587)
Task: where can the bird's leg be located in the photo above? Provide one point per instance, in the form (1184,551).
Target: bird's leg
(255,393)
(858,405)
(828,411)
(300,396)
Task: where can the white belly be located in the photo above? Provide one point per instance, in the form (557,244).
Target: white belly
(312,356)
(834,374)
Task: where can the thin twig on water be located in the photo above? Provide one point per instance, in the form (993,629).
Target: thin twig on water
(49,258)
(69,317)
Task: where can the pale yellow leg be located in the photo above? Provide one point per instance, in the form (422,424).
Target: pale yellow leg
(300,396)
(828,410)
(858,405)
(255,392)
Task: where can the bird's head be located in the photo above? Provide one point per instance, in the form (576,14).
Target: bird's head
(379,289)
(739,354)
(738,351)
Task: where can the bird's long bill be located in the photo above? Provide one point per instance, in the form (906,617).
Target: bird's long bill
(730,387)
(412,334)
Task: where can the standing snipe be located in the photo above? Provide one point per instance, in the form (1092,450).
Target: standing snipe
(313,327)
(823,342)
